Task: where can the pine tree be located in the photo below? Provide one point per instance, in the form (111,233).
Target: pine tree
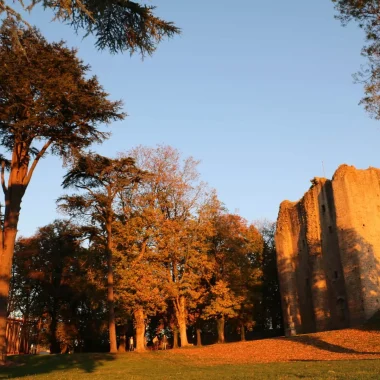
(47,100)
(102,180)
(117,25)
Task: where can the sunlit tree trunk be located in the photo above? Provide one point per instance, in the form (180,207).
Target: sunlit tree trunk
(180,308)
(6,255)
(13,196)
(220,326)
(140,329)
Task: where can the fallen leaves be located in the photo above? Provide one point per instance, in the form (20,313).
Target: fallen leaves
(349,344)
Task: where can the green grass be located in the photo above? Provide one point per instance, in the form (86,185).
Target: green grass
(160,365)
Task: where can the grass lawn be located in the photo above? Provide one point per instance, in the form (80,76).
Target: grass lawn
(164,365)
(342,354)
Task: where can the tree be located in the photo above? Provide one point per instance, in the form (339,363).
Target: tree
(119,25)
(55,287)
(271,311)
(140,289)
(235,253)
(223,303)
(46,104)
(176,197)
(367,14)
(49,266)
(140,292)
(102,180)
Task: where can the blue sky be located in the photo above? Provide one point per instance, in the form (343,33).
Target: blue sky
(261,92)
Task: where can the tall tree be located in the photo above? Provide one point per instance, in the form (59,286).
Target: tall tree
(270,315)
(118,25)
(47,103)
(102,180)
(235,253)
(140,289)
(176,196)
(367,14)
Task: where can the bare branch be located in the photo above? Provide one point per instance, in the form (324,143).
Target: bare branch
(87,188)
(35,162)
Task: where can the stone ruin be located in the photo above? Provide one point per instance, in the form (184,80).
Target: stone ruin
(328,252)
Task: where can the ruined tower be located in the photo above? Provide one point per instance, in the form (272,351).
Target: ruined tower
(328,252)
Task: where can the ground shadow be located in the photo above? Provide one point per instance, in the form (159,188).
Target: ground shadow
(316,342)
(373,324)
(29,365)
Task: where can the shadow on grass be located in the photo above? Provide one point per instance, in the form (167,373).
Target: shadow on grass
(322,345)
(28,365)
(373,324)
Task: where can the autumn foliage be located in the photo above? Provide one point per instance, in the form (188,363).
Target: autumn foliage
(159,247)
(148,250)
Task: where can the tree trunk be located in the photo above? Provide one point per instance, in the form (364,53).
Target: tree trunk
(175,338)
(17,184)
(242,333)
(199,337)
(180,308)
(54,344)
(110,295)
(6,256)
(220,327)
(123,339)
(183,332)
(25,333)
(23,340)
(140,329)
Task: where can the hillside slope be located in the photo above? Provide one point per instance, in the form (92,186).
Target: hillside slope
(349,344)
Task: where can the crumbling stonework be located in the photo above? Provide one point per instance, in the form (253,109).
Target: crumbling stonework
(328,252)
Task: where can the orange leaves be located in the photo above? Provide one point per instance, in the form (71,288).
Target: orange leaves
(222,301)
(348,344)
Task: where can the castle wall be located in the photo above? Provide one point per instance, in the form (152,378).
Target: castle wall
(332,264)
(304,274)
(319,291)
(287,238)
(357,203)
(329,252)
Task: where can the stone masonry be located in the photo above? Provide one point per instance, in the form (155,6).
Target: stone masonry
(328,252)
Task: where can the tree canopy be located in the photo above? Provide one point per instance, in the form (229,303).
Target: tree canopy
(367,14)
(117,25)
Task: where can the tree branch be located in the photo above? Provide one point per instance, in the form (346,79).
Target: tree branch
(87,188)
(3,185)
(35,162)
(143,249)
